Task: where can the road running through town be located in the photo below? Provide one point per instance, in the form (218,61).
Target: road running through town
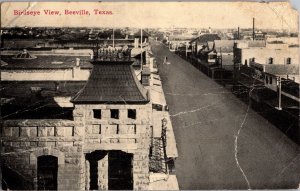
(222,143)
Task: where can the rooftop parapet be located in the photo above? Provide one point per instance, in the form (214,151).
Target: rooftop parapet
(119,54)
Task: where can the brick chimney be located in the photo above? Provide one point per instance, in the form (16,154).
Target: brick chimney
(146,76)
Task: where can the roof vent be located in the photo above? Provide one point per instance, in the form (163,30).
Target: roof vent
(24,55)
(77,62)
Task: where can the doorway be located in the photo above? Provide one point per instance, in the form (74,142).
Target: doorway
(93,159)
(120,171)
(47,172)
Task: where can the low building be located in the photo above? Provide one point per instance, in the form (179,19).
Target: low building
(283,79)
(291,41)
(198,43)
(266,53)
(177,41)
(25,66)
(271,75)
(56,64)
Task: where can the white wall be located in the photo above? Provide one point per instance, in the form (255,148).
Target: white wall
(72,74)
(55,52)
(262,55)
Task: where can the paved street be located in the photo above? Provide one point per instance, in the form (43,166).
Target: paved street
(222,143)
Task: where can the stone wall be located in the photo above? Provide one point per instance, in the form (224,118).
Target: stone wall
(141,163)
(25,140)
(124,134)
(103,173)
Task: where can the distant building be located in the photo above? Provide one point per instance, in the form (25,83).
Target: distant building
(291,41)
(259,35)
(266,53)
(272,75)
(54,65)
(268,71)
(198,43)
(176,41)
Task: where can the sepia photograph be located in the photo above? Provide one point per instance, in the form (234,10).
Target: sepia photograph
(149,95)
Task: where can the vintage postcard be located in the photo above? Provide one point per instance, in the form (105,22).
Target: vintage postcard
(149,96)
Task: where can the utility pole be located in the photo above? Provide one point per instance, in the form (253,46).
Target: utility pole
(253,29)
(186,49)
(279,93)
(221,59)
(141,48)
(235,64)
(113,38)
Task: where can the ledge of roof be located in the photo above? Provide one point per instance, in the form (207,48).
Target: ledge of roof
(116,62)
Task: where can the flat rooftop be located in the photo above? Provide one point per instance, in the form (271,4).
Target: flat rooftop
(38,99)
(44,62)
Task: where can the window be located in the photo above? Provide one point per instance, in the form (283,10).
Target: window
(246,62)
(97,113)
(270,80)
(267,79)
(270,61)
(114,113)
(118,129)
(288,61)
(253,59)
(211,56)
(131,113)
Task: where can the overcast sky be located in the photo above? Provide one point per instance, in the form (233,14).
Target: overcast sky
(296,4)
(276,15)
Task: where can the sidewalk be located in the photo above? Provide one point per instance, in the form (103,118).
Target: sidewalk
(157,96)
(160,181)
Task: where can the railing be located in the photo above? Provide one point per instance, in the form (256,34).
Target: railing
(158,157)
(112,54)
